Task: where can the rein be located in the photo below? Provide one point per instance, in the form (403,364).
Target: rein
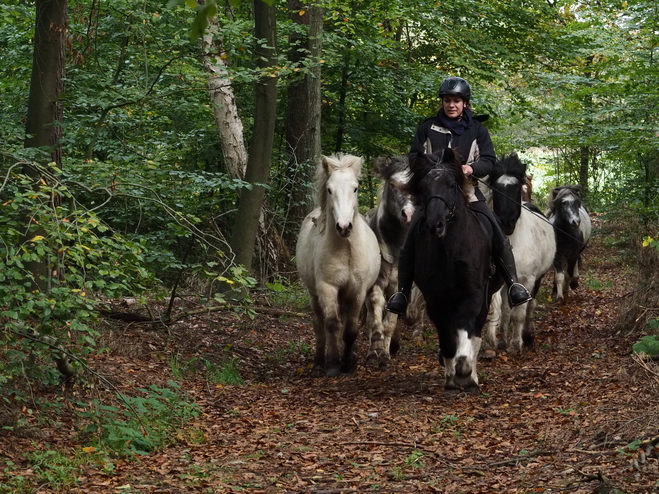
(519,203)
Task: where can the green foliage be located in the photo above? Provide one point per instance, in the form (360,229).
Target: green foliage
(145,424)
(78,258)
(649,344)
(650,242)
(226,374)
(283,293)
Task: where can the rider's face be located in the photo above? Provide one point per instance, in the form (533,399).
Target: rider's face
(453,106)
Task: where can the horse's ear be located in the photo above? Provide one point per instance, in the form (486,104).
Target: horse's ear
(328,164)
(554,192)
(382,163)
(449,155)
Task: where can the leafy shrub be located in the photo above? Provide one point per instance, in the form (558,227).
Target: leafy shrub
(56,259)
(649,344)
(145,424)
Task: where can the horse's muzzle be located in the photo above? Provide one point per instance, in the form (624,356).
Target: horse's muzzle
(344,231)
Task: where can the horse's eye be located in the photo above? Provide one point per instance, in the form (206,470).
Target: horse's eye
(329,191)
(355,190)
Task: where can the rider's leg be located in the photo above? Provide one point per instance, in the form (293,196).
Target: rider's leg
(504,258)
(399,300)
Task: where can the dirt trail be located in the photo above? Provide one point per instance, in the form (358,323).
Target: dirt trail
(556,419)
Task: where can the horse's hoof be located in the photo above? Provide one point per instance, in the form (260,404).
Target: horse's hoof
(317,371)
(489,354)
(394,346)
(473,390)
(350,367)
(574,284)
(502,345)
(371,356)
(384,363)
(333,372)
(528,339)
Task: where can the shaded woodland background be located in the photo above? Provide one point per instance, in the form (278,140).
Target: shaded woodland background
(150,168)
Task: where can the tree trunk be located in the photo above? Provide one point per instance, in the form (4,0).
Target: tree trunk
(343,93)
(260,151)
(303,110)
(225,111)
(315,99)
(44,111)
(43,127)
(583,169)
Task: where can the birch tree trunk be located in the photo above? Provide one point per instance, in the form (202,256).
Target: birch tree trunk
(223,101)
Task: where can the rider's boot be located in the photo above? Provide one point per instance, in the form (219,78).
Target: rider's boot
(517,293)
(398,301)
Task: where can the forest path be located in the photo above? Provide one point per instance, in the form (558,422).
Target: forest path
(556,419)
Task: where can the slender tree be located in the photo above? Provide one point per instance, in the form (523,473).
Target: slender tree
(243,237)
(303,106)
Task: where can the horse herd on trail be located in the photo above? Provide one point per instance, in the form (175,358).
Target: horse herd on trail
(349,262)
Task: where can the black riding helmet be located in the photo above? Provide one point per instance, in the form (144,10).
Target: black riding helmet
(455,86)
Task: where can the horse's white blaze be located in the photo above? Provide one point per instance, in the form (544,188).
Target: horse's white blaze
(505,180)
(343,197)
(574,218)
(408,211)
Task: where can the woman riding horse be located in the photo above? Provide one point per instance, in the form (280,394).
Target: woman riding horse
(456,127)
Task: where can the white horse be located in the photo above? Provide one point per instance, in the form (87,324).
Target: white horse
(532,239)
(338,260)
(573,228)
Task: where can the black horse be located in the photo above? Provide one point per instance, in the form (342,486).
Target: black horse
(453,269)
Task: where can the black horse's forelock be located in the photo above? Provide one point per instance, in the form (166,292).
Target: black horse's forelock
(421,164)
(509,164)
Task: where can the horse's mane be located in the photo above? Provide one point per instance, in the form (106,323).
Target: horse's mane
(421,164)
(557,194)
(509,164)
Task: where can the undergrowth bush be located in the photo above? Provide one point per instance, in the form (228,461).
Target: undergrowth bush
(139,424)
(64,252)
(636,311)
(56,260)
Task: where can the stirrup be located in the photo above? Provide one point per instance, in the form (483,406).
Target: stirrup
(397,303)
(523,291)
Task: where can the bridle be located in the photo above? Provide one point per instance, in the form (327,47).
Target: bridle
(451,207)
